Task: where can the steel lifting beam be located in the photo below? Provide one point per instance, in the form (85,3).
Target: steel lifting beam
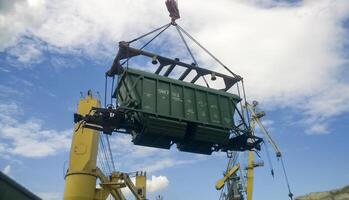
(115,120)
(127,52)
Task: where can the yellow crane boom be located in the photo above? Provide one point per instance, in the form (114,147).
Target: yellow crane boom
(255,116)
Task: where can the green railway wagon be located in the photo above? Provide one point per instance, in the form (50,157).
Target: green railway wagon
(168,110)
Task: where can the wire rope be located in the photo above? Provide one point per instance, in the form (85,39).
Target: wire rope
(152,39)
(191,54)
(290,194)
(269,159)
(149,33)
(208,52)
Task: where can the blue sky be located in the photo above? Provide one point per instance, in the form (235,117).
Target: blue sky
(292,55)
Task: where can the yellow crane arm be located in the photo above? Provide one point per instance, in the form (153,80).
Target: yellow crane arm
(256,117)
(220,183)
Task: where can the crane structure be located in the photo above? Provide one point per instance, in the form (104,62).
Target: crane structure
(158,110)
(220,183)
(255,117)
(230,176)
(234,188)
(152,105)
(82,174)
(251,164)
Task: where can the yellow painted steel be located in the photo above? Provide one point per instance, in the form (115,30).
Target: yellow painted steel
(220,183)
(80,180)
(141,184)
(107,188)
(250,166)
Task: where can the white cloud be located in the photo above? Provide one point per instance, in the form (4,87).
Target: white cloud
(4,70)
(287,58)
(7,170)
(7,91)
(50,195)
(157,183)
(83,25)
(122,145)
(26,51)
(131,157)
(16,18)
(28,138)
(164,163)
(332,101)
(316,129)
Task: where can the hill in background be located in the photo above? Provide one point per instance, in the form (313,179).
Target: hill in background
(338,194)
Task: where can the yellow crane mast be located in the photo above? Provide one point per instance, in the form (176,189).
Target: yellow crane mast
(82,173)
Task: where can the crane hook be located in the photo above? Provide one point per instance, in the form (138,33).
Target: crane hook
(172,7)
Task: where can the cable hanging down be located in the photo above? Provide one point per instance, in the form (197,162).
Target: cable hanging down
(107,158)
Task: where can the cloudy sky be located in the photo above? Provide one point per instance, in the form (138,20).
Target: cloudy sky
(293,56)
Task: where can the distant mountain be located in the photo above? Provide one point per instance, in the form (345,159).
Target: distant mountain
(339,194)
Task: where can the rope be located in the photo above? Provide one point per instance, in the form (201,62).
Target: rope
(157,35)
(105,155)
(245,99)
(105,91)
(110,153)
(191,54)
(149,33)
(286,178)
(269,160)
(104,148)
(101,160)
(242,110)
(208,52)
(116,92)
(111,92)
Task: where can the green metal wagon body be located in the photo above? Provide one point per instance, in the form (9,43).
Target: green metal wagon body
(167,110)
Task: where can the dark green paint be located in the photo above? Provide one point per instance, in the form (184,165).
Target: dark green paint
(169,110)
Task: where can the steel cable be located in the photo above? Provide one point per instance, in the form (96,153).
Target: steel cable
(208,52)
(146,44)
(144,35)
(105,155)
(269,159)
(191,54)
(290,194)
